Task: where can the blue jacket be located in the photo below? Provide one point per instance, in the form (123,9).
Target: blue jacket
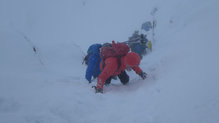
(93,68)
(138,48)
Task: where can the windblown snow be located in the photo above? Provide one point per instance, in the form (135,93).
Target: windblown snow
(42,44)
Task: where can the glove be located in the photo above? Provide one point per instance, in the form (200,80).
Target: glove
(97,90)
(143,75)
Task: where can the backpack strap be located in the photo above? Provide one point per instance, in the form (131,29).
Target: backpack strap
(119,62)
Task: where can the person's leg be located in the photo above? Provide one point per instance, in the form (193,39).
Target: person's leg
(124,78)
(108,81)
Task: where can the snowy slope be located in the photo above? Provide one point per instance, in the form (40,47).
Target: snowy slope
(48,86)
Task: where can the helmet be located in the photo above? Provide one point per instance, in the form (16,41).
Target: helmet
(132,59)
(136,32)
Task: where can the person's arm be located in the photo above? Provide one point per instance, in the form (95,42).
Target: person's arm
(108,70)
(138,70)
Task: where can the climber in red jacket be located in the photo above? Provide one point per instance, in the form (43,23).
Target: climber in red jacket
(130,60)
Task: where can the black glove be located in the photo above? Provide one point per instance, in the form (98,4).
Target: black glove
(97,90)
(143,75)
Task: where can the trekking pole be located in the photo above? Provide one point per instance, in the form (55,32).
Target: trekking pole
(153,23)
(137,40)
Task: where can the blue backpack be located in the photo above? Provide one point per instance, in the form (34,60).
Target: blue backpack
(93,49)
(93,60)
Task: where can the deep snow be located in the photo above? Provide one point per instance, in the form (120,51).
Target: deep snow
(49,86)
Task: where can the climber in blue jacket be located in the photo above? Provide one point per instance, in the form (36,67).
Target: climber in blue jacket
(93,62)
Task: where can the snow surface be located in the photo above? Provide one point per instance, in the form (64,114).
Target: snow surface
(48,86)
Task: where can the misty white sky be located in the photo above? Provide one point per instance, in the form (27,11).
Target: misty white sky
(49,86)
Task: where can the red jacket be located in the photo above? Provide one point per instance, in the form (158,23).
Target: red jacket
(111,69)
